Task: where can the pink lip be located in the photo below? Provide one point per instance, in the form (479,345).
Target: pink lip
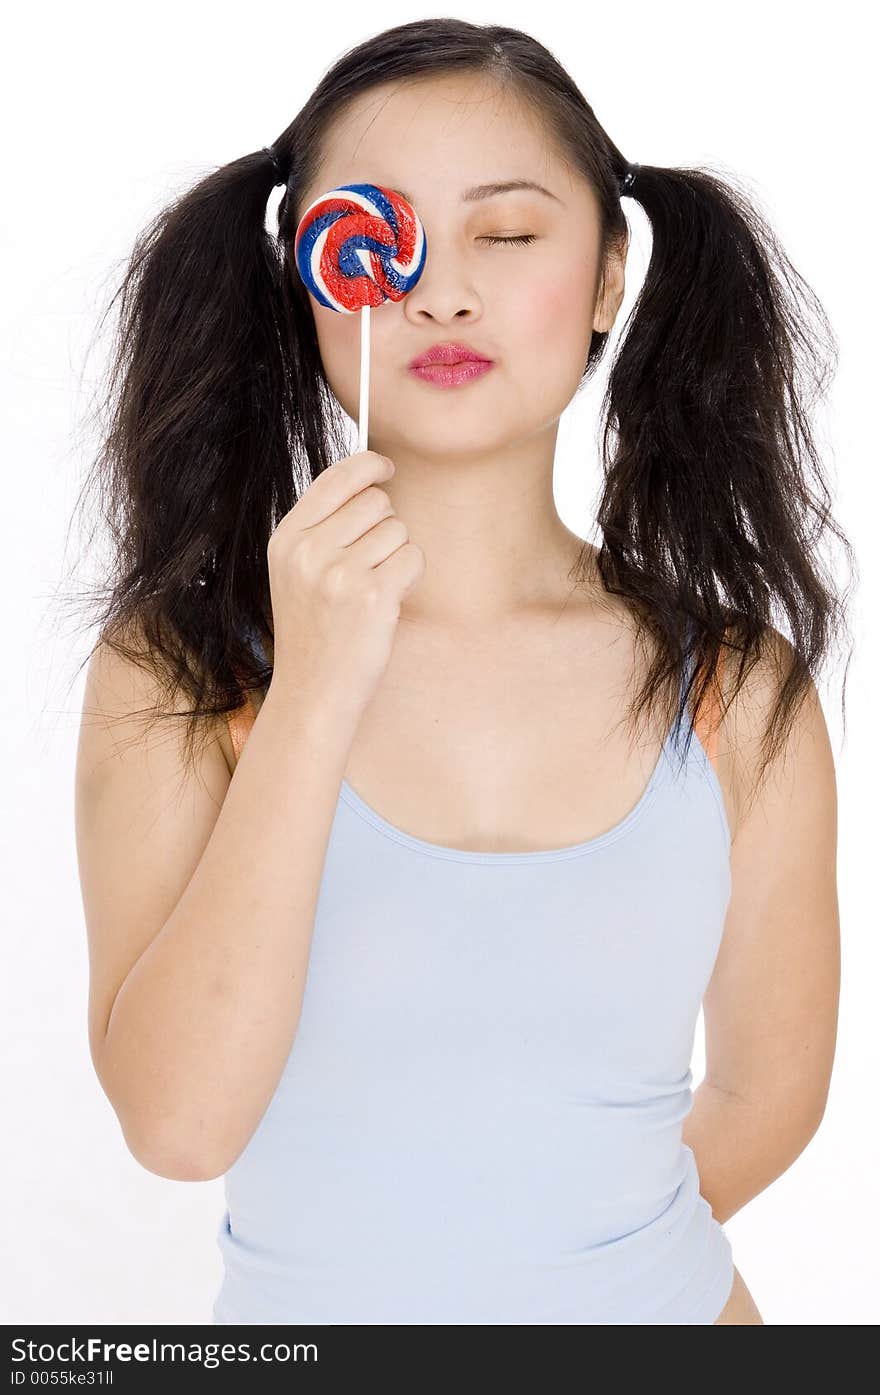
(450,351)
(447,375)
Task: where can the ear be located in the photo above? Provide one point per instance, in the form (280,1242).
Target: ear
(611,288)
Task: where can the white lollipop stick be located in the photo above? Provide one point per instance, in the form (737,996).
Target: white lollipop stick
(364,410)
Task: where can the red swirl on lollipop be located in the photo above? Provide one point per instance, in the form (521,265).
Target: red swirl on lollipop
(359,245)
(356,247)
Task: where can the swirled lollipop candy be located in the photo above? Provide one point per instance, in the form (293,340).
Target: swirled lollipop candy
(356,247)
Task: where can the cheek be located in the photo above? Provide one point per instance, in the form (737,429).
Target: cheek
(552,309)
(551,306)
(333,330)
(339,344)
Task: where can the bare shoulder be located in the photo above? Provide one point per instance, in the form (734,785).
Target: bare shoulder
(125,718)
(804,756)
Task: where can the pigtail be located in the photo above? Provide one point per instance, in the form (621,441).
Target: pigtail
(218,418)
(714,501)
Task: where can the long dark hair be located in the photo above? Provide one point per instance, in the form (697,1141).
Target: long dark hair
(219,413)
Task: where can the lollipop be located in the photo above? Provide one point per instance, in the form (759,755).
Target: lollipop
(355,247)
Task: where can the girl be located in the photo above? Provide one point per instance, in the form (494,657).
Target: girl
(414,955)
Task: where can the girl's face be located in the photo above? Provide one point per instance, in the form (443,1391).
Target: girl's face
(531,306)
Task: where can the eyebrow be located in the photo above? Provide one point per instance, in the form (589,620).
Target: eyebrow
(488,191)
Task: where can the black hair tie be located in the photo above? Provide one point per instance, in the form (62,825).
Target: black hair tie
(280,176)
(628,179)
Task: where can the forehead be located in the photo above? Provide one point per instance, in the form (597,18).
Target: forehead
(443,136)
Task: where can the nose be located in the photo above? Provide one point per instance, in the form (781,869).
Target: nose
(442,293)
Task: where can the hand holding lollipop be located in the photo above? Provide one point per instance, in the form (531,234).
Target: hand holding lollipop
(355,247)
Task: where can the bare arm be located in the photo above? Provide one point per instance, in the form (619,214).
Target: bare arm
(200,887)
(200,903)
(771,1007)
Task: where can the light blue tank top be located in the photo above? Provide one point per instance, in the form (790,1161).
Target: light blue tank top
(479,1121)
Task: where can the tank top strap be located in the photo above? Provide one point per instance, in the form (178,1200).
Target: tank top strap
(252,635)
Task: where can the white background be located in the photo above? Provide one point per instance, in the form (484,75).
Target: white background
(109,110)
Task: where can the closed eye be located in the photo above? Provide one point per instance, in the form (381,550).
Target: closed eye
(521,241)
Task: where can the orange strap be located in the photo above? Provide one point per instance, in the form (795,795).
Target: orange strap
(708,720)
(240,722)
